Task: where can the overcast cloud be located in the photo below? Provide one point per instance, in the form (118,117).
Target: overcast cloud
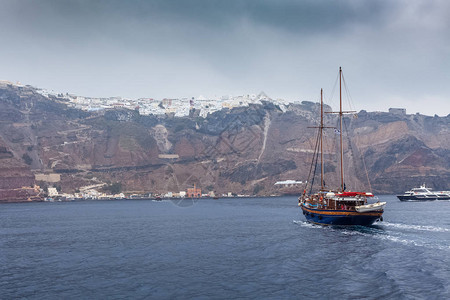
(393,53)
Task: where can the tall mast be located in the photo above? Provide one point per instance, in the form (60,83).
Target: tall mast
(321,141)
(319,144)
(341,113)
(340,129)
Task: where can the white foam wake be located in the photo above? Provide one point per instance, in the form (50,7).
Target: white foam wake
(397,239)
(416,227)
(308,224)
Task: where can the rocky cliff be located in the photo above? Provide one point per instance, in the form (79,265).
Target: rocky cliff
(244,150)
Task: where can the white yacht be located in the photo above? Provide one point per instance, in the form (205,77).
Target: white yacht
(424,194)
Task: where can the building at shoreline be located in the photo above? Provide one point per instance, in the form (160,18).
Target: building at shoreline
(194,192)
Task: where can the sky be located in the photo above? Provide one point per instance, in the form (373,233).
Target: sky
(393,53)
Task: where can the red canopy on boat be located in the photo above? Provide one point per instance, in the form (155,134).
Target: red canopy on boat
(354,194)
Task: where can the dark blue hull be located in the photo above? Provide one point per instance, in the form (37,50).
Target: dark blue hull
(423,198)
(341,217)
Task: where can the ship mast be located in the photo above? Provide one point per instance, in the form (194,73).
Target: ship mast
(319,145)
(340,129)
(321,127)
(341,144)
(321,141)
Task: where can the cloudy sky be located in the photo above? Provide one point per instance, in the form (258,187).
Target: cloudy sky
(393,53)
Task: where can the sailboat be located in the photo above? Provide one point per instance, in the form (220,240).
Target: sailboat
(337,206)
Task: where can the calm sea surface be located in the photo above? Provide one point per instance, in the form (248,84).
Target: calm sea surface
(226,248)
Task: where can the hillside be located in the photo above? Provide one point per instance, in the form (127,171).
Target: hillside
(243,150)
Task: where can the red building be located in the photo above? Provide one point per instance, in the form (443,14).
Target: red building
(194,192)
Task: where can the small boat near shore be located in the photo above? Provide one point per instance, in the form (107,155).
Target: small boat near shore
(424,193)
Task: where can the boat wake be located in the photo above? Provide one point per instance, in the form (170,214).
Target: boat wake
(391,232)
(309,224)
(408,242)
(416,227)
(304,223)
(364,230)
(395,237)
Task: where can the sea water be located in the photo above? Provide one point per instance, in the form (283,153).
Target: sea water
(220,249)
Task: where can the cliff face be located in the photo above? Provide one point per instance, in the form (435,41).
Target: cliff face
(16,179)
(244,150)
(406,150)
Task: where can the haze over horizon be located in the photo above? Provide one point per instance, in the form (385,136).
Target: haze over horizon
(393,53)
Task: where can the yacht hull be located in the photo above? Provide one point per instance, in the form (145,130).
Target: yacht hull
(423,197)
(341,217)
